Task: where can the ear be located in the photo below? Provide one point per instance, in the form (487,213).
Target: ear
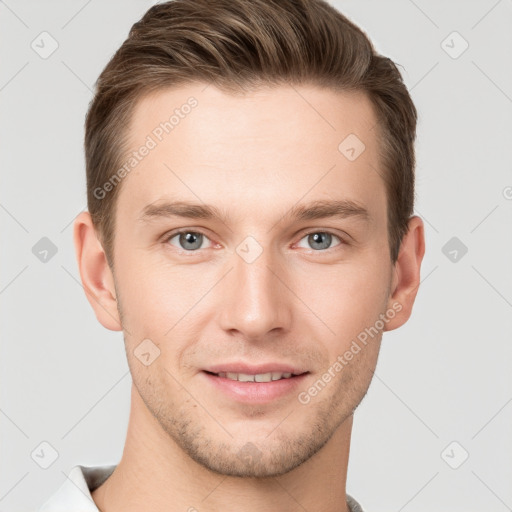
(406,274)
(96,275)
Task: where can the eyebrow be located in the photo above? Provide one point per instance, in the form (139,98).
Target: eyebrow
(320,209)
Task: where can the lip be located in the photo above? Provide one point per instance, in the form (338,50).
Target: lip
(255,392)
(240,367)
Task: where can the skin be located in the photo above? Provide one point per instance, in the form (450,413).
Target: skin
(253,156)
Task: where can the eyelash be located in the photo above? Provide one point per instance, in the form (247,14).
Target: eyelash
(169,236)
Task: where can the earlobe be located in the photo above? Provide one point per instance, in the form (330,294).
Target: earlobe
(406,274)
(95,273)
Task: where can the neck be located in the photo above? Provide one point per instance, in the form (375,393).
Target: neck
(155,474)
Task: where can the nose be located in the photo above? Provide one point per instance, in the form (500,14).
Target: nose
(255,299)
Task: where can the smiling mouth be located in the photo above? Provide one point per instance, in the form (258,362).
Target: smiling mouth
(258,377)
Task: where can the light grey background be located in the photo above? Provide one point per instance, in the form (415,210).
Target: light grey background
(443,377)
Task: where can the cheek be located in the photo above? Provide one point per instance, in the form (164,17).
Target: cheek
(345,297)
(158,303)
(150,298)
(146,285)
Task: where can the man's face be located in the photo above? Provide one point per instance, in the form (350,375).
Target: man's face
(257,286)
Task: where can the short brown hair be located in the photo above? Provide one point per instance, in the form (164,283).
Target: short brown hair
(238,45)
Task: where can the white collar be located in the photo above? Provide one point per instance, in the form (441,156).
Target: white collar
(75,492)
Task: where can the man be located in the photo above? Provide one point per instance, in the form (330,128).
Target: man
(250,177)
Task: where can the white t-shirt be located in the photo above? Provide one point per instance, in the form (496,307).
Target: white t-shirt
(75,493)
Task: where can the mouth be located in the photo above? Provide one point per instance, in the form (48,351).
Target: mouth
(255,388)
(258,377)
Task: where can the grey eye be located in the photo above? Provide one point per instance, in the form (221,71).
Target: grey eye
(188,240)
(319,240)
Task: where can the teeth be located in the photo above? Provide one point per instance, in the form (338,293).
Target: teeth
(245,377)
(263,377)
(260,377)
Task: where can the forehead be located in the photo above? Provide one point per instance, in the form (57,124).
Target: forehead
(267,110)
(271,146)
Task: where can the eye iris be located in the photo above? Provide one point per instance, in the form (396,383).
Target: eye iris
(191,238)
(324,239)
